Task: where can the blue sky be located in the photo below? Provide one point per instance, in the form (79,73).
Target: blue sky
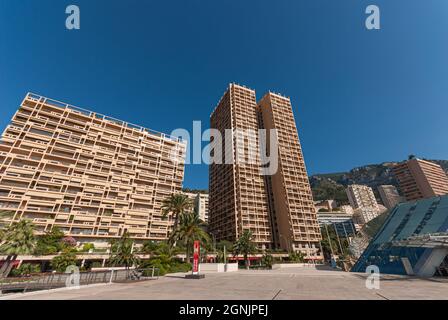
(359,96)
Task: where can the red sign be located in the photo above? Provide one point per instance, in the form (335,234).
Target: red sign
(196,252)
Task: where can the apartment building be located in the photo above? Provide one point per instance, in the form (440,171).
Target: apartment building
(277,208)
(237,191)
(363,215)
(347,209)
(389,196)
(91,175)
(419,179)
(295,224)
(200,203)
(361,196)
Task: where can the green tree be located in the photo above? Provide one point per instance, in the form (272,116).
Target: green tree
(25,269)
(176,204)
(267,261)
(65,259)
(17,239)
(87,247)
(121,252)
(155,249)
(5,216)
(190,229)
(150,247)
(50,242)
(332,243)
(223,247)
(245,246)
(297,257)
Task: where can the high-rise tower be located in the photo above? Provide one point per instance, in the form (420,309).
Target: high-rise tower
(276,206)
(296,227)
(238,199)
(419,179)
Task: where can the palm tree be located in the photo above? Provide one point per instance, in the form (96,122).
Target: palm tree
(177,204)
(4,216)
(190,229)
(17,239)
(245,246)
(121,252)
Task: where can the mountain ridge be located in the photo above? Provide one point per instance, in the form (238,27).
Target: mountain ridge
(332,185)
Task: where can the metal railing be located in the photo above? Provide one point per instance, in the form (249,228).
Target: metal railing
(59,280)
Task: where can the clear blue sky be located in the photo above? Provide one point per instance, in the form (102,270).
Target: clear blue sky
(359,96)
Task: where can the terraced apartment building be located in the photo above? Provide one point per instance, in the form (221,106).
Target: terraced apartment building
(278,208)
(295,225)
(420,179)
(91,175)
(237,192)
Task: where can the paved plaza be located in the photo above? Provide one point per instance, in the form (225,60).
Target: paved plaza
(302,284)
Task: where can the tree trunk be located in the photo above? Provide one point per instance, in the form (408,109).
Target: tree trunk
(246,258)
(176,222)
(188,253)
(7,266)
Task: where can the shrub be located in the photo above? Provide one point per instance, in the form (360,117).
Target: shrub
(267,260)
(61,262)
(87,247)
(165,265)
(296,257)
(25,269)
(96,264)
(69,241)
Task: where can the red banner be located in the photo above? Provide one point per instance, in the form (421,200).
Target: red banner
(196,252)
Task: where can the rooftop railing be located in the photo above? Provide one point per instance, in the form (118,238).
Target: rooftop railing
(99,116)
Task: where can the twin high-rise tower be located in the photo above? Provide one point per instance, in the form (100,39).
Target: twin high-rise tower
(276,207)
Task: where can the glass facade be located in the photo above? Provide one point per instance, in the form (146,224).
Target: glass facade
(405,220)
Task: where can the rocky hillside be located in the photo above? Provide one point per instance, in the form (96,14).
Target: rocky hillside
(332,185)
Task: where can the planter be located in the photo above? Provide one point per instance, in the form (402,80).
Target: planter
(218,267)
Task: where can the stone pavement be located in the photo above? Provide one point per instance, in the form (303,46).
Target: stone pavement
(297,283)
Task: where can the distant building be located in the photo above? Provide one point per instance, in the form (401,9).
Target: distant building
(200,203)
(419,179)
(347,209)
(390,196)
(361,196)
(328,205)
(412,240)
(364,214)
(342,222)
(191,195)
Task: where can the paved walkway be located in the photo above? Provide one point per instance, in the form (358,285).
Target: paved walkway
(297,283)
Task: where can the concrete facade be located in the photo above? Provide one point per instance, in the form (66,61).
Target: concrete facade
(419,179)
(92,176)
(278,208)
(390,196)
(361,196)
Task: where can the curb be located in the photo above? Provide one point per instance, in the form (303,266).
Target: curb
(33,293)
